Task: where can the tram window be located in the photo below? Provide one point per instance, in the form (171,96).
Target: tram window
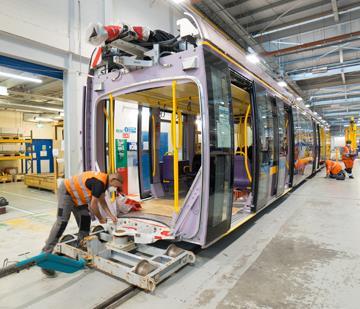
(165,130)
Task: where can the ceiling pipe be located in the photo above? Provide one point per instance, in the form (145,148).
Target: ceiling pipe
(337,38)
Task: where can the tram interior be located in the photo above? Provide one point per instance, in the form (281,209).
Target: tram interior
(143,124)
(137,114)
(243,147)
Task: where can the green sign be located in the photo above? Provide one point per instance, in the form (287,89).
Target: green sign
(120,153)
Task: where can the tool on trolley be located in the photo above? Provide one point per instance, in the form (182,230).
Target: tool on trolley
(47,261)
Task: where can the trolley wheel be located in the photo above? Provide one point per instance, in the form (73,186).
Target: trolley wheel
(173,251)
(98,229)
(66,238)
(143,268)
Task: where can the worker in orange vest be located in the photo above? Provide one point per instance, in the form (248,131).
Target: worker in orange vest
(334,170)
(348,157)
(81,195)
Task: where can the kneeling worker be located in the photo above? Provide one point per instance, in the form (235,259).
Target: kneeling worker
(334,170)
(80,195)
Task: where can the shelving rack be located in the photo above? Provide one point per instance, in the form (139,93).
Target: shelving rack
(25,157)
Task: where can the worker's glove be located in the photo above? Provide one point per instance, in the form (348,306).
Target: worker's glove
(114,219)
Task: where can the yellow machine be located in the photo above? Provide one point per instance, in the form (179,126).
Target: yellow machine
(351,133)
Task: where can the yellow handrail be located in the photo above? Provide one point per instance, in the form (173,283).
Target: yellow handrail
(180,140)
(246,143)
(175,147)
(111,139)
(154,145)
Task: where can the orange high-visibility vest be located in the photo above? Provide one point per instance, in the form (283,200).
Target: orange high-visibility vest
(76,187)
(333,167)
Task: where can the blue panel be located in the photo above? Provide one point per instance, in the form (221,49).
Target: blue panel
(30,67)
(39,146)
(145,160)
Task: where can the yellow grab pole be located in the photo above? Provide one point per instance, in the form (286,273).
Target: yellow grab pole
(154,145)
(246,143)
(175,147)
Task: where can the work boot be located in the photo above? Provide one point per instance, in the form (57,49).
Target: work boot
(351,176)
(50,273)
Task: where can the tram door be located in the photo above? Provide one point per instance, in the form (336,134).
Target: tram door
(267,149)
(221,138)
(283,132)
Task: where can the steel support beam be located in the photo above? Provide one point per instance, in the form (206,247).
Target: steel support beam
(263,8)
(323,20)
(305,46)
(335,102)
(294,11)
(310,75)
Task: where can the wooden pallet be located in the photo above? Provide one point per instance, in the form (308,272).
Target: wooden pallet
(11,154)
(6,178)
(18,177)
(45,181)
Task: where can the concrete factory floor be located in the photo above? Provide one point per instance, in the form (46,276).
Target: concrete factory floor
(301,253)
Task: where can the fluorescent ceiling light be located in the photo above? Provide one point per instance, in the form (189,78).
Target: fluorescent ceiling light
(282,83)
(307,105)
(253,58)
(3,91)
(20,77)
(45,108)
(299,99)
(320,117)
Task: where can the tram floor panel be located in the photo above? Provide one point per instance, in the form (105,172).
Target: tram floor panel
(157,209)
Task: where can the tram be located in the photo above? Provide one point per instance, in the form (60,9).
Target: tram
(202,137)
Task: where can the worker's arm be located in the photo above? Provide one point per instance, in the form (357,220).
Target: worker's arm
(327,170)
(106,208)
(94,208)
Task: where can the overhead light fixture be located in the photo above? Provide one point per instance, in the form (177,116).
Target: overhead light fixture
(253,58)
(320,117)
(20,77)
(282,83)
(39,125)
(3,91)
(307,105)
(299,99)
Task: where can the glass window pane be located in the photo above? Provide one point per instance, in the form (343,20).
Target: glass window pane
(221,145)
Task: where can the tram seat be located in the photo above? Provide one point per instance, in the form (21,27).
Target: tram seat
(241,180)
(167,169)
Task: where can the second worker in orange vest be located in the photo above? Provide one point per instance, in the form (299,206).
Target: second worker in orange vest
(334,170)
(80,195)
(348,157)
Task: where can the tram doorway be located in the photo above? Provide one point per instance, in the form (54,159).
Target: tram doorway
(157,147)
(243,145)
